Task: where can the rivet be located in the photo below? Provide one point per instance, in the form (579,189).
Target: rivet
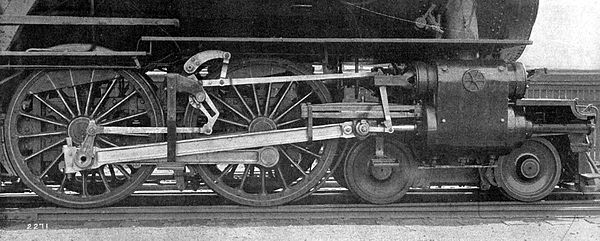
(443,120)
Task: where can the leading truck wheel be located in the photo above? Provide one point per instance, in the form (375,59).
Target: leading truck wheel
(379,184)
(50,106)
(264,107)
(530,172)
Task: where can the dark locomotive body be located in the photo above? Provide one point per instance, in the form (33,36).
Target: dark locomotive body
(255,99)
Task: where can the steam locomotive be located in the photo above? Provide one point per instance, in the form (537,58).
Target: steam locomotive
(265,100)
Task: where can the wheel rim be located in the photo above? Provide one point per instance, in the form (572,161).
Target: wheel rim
(338,174)
(245,108)
(530,172)
(376,184)
(52,105)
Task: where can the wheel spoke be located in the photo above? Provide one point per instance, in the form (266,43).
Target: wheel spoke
(64,101)
(116,105)
(50,106)
(62,184)
(256,99)
(287,89)
(42,119)
(292,161)
(104,181)
(263,188)
(268,98)
(75,93)
(84,192)
(123,171)
(225,172)
(106,141)
(244,176)
(60,95)
(233,123)
(113,175)
(43,150)
(50,166)
(243,102)
(306,151)
(231,108)
(293,106)
(285,186)
(45,134)
(289,122)
(108,90)
(124,118)
(89,98)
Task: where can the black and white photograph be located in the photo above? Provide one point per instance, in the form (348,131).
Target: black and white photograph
(300,120)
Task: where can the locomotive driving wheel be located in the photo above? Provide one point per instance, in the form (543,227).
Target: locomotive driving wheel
(50,106)
(530,172)
(379,184)
(265,107)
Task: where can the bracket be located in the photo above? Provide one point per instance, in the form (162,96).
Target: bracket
(386,109)
(381,160)
(194,62)
(196,103)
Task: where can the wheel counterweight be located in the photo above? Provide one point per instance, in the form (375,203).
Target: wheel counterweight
(296,168)
(530,172)
(50,106)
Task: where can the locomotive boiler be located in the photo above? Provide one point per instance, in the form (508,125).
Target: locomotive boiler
(264,101)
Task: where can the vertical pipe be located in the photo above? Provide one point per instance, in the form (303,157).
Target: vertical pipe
(461,17)
(171,117)
(356,89)
(92,14)
(461,20)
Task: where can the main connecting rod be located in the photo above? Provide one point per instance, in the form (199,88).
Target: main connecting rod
(210,150)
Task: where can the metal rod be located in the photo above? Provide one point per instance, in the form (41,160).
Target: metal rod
(93,21)
(457,167)
(340,40)
(284,79)
(218,143)
(558,128)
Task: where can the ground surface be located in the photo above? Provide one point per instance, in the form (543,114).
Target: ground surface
(414,229)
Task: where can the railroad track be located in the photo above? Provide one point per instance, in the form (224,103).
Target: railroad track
(324,196)
(299,214)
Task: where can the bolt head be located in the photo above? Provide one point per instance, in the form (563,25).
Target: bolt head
(347,129)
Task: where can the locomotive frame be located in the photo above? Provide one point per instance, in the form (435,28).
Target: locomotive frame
(448,108)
